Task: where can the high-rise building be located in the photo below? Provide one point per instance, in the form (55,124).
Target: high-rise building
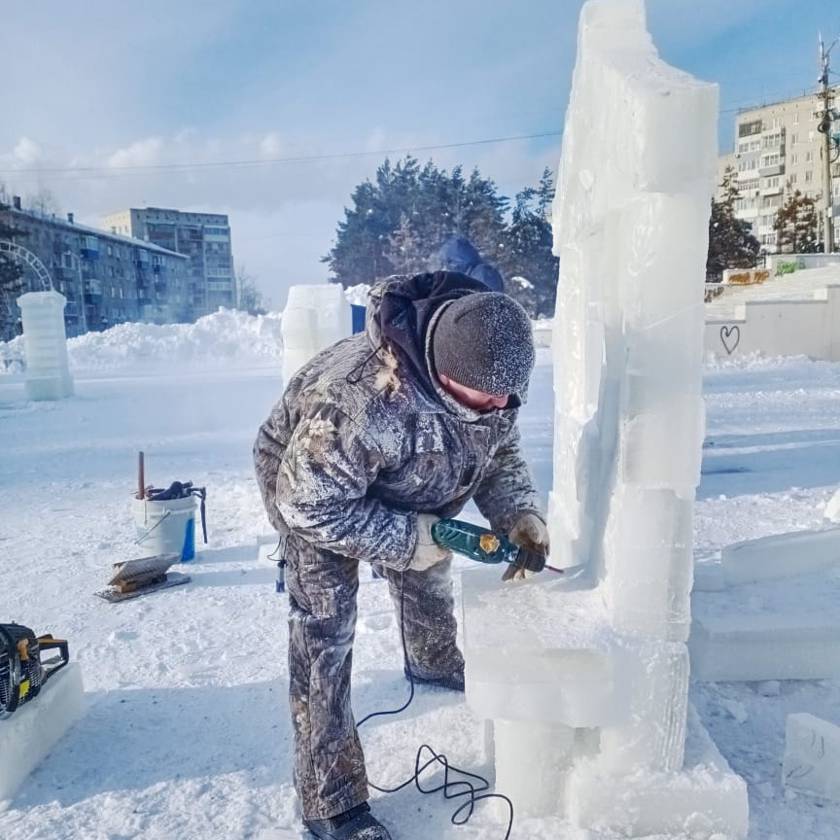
(778,149)
(106,278)
(202,237)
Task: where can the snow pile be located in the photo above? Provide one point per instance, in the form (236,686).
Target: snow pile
(225,338)
(357,295)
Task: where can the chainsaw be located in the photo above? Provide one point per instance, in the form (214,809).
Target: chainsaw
(486,546)
(22,672)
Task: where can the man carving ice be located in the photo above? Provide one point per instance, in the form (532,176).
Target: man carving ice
(373,441)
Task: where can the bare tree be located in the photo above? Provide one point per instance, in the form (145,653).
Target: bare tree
(43,201)
(250,297)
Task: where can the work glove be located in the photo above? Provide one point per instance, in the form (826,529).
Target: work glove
(528,532)
(427,552)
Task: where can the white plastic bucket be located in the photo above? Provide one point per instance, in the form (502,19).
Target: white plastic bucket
(166,527)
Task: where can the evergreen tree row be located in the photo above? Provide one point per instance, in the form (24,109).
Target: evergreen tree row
(397,223)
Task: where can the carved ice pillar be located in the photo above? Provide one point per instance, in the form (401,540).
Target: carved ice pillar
(592,687)
(631,231)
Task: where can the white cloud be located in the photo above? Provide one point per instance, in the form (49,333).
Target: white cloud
(27,152)
(141,153)
(271,145)
(283,216)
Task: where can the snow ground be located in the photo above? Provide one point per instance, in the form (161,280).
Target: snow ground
(187,733)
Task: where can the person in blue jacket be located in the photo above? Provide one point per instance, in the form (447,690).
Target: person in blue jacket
(458,254)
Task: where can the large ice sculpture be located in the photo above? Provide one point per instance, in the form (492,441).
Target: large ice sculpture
(591,684)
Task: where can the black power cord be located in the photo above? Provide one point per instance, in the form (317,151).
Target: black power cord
(472,786)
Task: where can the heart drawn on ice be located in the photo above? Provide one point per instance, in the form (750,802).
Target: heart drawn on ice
(730,337)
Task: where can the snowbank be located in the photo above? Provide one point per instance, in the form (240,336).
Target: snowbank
(225,338)
(357,295)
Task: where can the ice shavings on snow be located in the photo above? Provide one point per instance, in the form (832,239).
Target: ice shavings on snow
(225,338)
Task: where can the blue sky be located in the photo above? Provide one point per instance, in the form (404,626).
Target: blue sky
(109,84)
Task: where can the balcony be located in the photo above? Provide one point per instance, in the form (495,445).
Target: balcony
(773,169)
(93,289)
(772,190)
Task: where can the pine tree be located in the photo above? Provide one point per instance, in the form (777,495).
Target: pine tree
(531,267)
(731,242)
(431,203)
(796,224)
(404,251)
(480,216)
(11,281)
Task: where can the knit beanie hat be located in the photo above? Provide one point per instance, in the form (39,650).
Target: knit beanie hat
(484,340)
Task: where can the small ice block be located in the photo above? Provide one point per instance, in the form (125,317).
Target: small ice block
(781,556)
(812,756)
(33,729)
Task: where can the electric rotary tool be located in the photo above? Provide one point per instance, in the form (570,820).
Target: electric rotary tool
(486,546)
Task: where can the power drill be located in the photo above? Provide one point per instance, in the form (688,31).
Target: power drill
(486,546)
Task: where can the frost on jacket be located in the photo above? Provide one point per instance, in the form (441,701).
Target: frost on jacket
(364,438)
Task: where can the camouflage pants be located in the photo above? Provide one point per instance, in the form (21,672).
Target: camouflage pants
(329,763)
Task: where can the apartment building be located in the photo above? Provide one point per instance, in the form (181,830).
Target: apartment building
(204,238)
(106,278)
(779,149)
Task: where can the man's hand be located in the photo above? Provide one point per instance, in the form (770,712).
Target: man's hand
(528,532)
(427,552)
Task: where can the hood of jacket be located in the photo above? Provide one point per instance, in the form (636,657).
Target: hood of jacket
(401,310)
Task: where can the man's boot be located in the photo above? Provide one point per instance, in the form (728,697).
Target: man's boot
(356,824)
(454,681)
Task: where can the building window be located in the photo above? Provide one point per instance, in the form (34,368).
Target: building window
(794,138)
(794,159)
(794,178)
(769,183)
(746,129)
(809,176)
(770,160)
(809,156)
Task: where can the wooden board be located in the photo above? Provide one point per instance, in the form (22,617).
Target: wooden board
(144,568)
(114,595)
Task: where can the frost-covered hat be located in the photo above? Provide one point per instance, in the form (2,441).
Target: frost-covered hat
(484,341)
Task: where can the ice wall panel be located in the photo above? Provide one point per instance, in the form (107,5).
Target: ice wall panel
(649,563)
(705,801)
(656,679)
(547,751)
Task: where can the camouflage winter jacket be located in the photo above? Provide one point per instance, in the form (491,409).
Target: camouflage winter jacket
(364,437)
